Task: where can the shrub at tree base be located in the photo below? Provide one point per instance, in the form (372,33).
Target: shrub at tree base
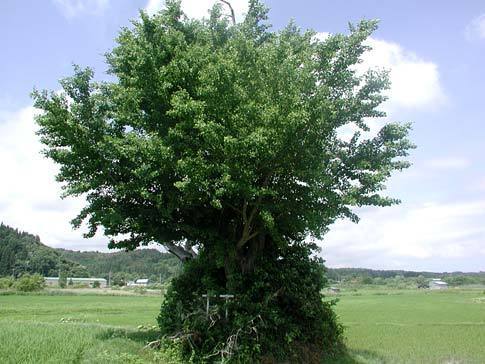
(277,312)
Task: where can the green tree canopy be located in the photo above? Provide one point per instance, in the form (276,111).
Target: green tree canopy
(217,134)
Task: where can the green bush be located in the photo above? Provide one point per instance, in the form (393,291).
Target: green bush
(140,290)
(96,284)
(29,283)
(80,285)
(6,283)
(155,286)
(62,280)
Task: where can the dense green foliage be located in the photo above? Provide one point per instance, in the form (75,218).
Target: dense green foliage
(6,282)
(223,142)
(21,252)
(215,135)
(277,311)
(25,283)
(29,283)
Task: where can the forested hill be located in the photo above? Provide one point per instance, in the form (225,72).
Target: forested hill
(141,263)
(21,252)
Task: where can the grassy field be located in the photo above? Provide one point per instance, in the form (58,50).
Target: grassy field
(415,326)
(381,327)
(76,328)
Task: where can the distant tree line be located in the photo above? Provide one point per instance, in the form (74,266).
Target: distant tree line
(21,253)
(127,266)
(400,278)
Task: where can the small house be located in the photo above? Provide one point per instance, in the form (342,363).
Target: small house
(143,282)
(437,284)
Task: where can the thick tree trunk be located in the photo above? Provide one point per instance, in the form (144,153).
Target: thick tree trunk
(247,255)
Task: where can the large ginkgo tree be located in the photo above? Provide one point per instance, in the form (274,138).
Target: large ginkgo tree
(224,142)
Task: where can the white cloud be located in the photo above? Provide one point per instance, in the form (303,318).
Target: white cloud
(480,185)
(29,194)
(430,236)
(153,6)
(415,82)
(476,28)
(73,8)
(199,8)
(448,163)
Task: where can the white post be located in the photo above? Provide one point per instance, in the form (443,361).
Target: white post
(207,304)
(226,297)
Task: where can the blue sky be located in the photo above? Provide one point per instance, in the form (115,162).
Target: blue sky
(434,49)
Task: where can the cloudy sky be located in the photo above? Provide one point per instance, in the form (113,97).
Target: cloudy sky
(435,50)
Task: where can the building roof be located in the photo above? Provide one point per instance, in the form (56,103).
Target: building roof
(438,282)
(78,279)
(143,280)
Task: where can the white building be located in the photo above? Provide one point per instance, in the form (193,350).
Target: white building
(138,283)
(437,284)
(54,281)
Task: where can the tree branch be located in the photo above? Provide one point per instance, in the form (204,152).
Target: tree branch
(179,251)
(247,221)
(233,16)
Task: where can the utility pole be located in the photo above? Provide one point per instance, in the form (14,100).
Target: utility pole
(109,279)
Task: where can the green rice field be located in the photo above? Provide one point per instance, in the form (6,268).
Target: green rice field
(415,326)
(381,327)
